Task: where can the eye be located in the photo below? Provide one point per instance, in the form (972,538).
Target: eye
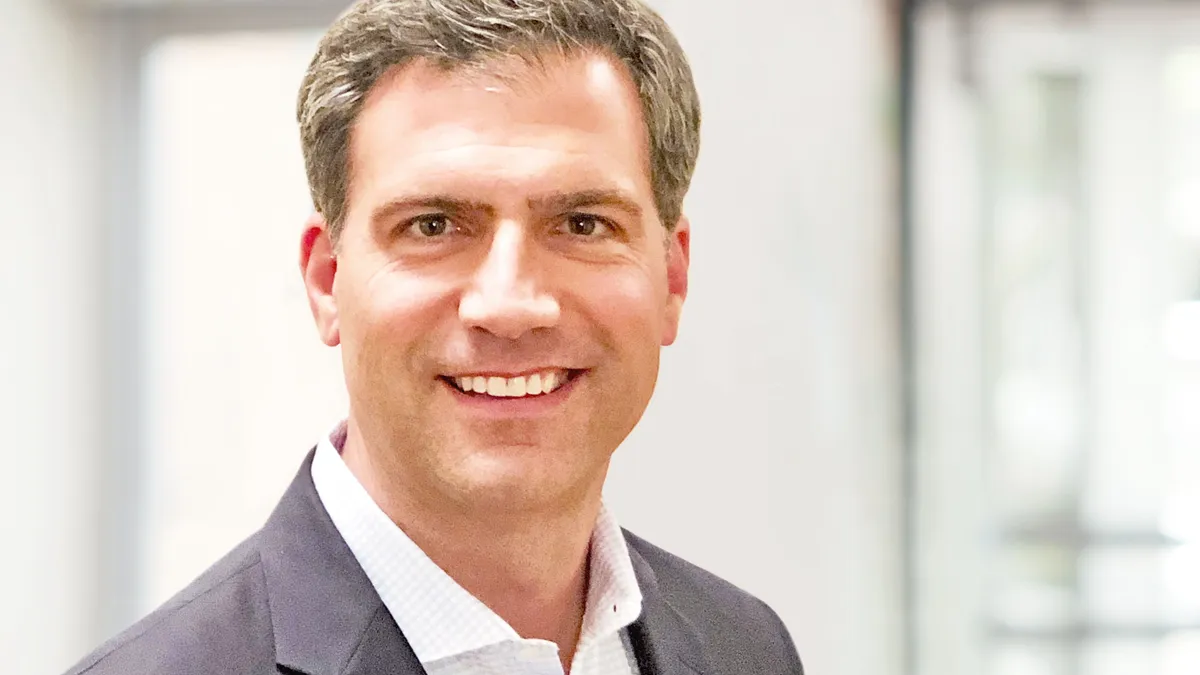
(585,225)
(430,226)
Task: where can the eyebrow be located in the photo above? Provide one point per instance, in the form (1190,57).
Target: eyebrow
(443,203)
(554,201)
(567,201)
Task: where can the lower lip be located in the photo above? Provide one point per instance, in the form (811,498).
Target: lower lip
(517,406)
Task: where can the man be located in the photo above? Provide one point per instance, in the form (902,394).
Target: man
(500,252)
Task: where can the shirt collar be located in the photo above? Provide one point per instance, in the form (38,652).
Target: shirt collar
(439,617)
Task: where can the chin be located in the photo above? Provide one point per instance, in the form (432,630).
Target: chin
(516,478)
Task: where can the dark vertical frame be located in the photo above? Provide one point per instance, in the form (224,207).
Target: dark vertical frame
(120,328)
(905,25)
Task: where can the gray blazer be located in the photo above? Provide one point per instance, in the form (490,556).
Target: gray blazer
(292,599)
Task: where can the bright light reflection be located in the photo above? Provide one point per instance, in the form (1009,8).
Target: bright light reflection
(1181,331)
(1181,584)
(1180,519)
(1180,653)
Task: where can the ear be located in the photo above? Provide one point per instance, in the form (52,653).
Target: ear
(678,256)
(318,267)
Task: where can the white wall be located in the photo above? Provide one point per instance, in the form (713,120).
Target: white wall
(769,454)
(48,362)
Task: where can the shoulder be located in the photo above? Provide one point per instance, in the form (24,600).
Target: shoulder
(736,626)
(219,623)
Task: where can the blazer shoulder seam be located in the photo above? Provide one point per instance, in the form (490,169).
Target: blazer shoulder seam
(785,636)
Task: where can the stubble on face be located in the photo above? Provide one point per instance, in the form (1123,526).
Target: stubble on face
(497,147)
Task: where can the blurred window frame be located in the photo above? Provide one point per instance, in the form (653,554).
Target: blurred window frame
(126,31)
(963,50)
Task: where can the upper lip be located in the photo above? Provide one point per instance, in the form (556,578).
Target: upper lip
(506,372)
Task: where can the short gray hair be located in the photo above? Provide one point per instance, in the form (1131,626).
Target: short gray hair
(374,36)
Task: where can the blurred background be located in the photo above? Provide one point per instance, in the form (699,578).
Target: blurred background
(937,394)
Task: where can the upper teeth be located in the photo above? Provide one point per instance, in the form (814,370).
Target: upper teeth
(522,385)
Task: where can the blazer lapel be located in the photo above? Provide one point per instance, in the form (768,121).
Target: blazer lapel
(327,617)
(664,641)
(383,650)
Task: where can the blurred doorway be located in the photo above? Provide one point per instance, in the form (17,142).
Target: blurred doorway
(1057,225)
(209,317)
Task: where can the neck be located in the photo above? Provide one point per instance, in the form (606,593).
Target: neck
(529,566)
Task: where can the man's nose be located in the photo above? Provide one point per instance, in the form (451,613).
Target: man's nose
(506,296)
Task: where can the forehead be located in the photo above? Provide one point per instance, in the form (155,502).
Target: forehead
(508,124)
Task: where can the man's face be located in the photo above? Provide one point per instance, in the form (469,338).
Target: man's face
(501,235)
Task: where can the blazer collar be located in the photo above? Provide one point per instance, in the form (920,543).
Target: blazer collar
(329,620)
(664,640)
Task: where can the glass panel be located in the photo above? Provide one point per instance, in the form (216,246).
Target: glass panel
(1176,654)
(227,328)
(1141,587)
(1035,587)
(1120,657)
(1036,353)
(1031,658)
(1180,517)
(1180,653)
(1091,339)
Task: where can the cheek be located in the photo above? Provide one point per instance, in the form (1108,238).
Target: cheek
(388,313)
(631,304)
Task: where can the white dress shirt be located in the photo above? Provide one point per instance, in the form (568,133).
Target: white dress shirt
(451,631)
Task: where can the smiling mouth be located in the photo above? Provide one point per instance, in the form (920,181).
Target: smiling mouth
(521,386)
